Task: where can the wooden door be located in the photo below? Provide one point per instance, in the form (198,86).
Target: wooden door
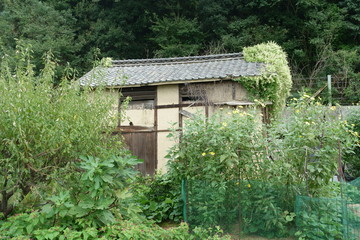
(142,143)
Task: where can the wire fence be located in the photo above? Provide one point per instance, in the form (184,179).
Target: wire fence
(272,210)
(342,90)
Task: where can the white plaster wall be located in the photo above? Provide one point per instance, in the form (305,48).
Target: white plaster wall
(144,117)
(167,94)
(167,117)
(164,144)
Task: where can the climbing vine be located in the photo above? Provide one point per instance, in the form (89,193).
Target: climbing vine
(275,82)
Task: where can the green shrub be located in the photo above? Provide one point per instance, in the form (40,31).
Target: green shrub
(130,230)
(121,229)
(319,218)
(95,195)
(306,144)
(297,154)
(44,128)
(352,159)
(159,197)
(275,82)
(96,203)
(221,147)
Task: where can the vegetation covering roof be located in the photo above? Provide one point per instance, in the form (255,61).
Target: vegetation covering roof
(167,70)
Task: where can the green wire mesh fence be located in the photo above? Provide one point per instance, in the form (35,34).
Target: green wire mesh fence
(319,218)
(242,207)
(351,222)
(272,210)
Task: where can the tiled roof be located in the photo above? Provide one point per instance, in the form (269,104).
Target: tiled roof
(156,71)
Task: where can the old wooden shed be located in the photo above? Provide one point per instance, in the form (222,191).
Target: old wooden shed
(165,91)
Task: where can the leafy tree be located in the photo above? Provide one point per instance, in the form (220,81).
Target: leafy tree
(310,32)
(177,37)
(214,18)
(249,31)
(352,20)
(40,25)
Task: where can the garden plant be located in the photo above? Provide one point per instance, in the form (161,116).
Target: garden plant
(249,173)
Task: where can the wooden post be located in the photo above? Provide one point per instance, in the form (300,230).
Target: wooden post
(329,88)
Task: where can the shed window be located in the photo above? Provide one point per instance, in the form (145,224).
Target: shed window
(141,97)
(192,93)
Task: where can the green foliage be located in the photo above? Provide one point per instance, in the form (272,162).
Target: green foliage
(100,196)
(94,196)
(177,37)
(309,31)
(302,146)
(310,141)
(158,197)
(129,230)
(222,147)
(271,218)
(44,128)
(250,31)
(253,207)
(275,82)
(238,168)
(38,24)
(207,203)
(319,218)
(351,191)
(352,17)
(352,159)
(215,156)
(342,65)
(124,229)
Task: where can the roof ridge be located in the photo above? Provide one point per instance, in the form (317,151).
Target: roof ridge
(177,59)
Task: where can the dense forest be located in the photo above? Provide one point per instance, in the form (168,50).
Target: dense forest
(320,36)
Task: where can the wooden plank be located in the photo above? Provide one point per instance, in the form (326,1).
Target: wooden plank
(135,128)
(139,93)
(156,129)
(142,145)
(143,88)
(187,114)
(139,97)
(180,105)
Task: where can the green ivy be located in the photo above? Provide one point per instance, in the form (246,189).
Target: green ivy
(275,82)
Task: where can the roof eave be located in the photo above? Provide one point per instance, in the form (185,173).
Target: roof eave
(179,82)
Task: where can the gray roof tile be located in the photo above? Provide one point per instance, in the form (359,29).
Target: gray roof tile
(159,70)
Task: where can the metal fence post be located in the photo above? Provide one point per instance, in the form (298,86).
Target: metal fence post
(184,198)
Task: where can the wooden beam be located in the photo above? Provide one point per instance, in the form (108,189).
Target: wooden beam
(187,114)
(195,104)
